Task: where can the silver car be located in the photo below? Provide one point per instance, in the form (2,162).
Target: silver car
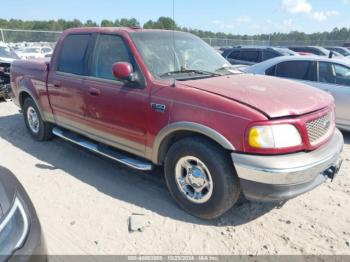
(330,75)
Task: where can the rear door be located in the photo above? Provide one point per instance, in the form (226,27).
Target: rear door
(116,112)
(65,82)
(335,79)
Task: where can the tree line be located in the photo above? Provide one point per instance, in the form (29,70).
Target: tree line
(168,24)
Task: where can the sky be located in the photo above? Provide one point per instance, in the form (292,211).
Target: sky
(229,16)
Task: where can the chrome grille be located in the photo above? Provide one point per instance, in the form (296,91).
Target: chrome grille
(320,128)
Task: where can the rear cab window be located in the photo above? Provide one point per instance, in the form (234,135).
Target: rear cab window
(73,55)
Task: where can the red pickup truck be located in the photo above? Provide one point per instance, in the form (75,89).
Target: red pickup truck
(152,97)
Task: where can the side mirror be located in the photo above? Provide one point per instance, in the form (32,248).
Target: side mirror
(331,54)
(123,71)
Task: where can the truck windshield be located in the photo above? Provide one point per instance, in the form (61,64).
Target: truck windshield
(176,54)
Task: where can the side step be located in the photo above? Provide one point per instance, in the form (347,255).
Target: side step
(102,150)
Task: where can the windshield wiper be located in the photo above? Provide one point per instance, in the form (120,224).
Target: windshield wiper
(229,69)
(191,71)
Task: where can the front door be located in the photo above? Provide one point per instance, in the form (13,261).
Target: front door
(335,79)
(116,112)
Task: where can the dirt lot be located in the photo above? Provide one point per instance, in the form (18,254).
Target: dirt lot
(84,203)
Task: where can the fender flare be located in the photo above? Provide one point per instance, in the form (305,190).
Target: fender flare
(24,89)
(191,127)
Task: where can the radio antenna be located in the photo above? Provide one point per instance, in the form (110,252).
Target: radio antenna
(174,44)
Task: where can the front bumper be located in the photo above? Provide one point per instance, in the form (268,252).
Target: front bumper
(279,178)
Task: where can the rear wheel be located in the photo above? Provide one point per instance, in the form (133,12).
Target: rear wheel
(40,130)
(201,178)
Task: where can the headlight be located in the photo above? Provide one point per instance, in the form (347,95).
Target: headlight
(14,227)
(274,136)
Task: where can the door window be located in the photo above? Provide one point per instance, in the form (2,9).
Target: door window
(334,74)
(109,50)
(234,55)
(73,55)
(269,55)
(250,56)
(302,70)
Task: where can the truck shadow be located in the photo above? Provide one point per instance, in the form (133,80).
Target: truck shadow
(146,190)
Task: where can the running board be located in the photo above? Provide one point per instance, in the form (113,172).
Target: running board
(102,150)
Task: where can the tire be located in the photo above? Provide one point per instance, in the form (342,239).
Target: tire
(223,188)
(42,131)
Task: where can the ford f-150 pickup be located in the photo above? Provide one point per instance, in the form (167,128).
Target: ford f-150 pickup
(158,98)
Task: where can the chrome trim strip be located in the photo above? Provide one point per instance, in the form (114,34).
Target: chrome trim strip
(109,153)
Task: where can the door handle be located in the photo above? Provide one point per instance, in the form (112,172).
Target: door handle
(94,91)
(57,83)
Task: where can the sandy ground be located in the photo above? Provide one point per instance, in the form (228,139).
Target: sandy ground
(84,203)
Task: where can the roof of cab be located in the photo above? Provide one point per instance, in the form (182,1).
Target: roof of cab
(110,30)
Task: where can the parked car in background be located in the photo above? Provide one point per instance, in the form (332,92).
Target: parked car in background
(330,75)
(316,50)
(252,55)
(21,236)
(7,56)
(120,93)
(347,45)
(304,53)
(34,52)
(341,50)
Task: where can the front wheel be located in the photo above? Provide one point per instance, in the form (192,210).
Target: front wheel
(201,178)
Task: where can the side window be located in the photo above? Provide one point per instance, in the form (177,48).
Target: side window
(311,50)
(249,55)
(269,55)
(342,74)
(73,54)
(271,71)
(326,73)
(234,54)
(301,70)
(109,49)
(334,74)
(226,52)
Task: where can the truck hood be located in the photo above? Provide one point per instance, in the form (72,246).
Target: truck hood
(272,96)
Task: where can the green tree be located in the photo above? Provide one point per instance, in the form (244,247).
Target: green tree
(90,23)
(162,23)
(107,23)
